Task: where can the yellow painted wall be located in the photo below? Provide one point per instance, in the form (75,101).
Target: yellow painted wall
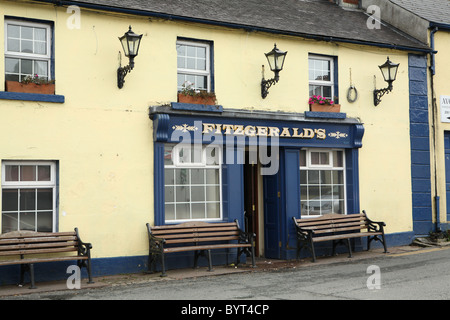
(102,136)
(441,87)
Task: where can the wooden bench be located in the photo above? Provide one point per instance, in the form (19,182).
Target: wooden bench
(25,248)
(337,228)
(200,237)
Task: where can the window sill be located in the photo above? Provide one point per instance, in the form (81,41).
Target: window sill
(196,107)
(5,95)
(325,115)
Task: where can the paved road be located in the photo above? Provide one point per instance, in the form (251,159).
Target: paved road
(424,275)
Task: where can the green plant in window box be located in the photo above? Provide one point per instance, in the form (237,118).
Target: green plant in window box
(189,94)
(318,103)
(32,84)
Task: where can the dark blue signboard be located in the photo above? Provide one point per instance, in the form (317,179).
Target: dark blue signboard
(225,130)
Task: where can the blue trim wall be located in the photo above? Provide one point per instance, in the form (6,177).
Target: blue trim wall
(420,145)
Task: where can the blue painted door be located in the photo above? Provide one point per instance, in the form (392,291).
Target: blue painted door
(272,223)
(447,170)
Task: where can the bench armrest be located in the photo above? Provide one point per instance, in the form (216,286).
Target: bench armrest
(302,232)
(377,226)
(84,248)
(153,240)
(245,237)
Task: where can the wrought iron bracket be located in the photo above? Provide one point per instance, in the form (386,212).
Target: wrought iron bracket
(265,85)
(121,73)
(377,94)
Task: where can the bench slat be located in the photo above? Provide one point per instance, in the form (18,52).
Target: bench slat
(37,260)
(190,240)
(346,236)
(36,240)
(30,246)
(200,234)
(38,251)
(206,247)
(187,230)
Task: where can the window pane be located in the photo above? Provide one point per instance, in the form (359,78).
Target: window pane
(26,46)
(11,173)
(13,31)
(315,158)
(44,199)
(303,158)
(326,92)
(41,68)
(27,199)
(169,211)
(169,177)
(9,222)
(169,193)
(27,173)
(213,210)
(12,77)
(182,211)
(198,211)
(26,66)
(212,176)
(181,176)
(338,177)
(12,65)
(212,194)
(198,193)
(182,194)
(27,33)
(44,221)
(44,173)
(27,221)
(338,159)
(198,176)
(13,45)
(10,199)
(40,34)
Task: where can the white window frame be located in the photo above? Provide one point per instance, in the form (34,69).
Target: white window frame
(204,164)
(196,72)
(330,167)
(30,56)
(32,184)
(313,82)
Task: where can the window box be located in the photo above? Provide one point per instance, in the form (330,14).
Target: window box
(208,100)
(15,86)
(317,107)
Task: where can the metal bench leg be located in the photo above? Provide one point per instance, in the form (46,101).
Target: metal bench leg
(349,248)
(163,266)
(32,276)
(311,244)
(209,261)
(89,270)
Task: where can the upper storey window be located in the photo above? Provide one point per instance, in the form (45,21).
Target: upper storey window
(27,50)
(321,76)
(194,65)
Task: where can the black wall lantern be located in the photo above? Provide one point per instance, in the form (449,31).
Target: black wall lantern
(389,71)
(130,43)
(276,61)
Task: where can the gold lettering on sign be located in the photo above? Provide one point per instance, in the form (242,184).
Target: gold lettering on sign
(263,131)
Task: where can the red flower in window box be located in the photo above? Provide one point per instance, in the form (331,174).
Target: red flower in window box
(321,104)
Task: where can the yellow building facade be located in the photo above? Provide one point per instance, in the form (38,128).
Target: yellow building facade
(93,156)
